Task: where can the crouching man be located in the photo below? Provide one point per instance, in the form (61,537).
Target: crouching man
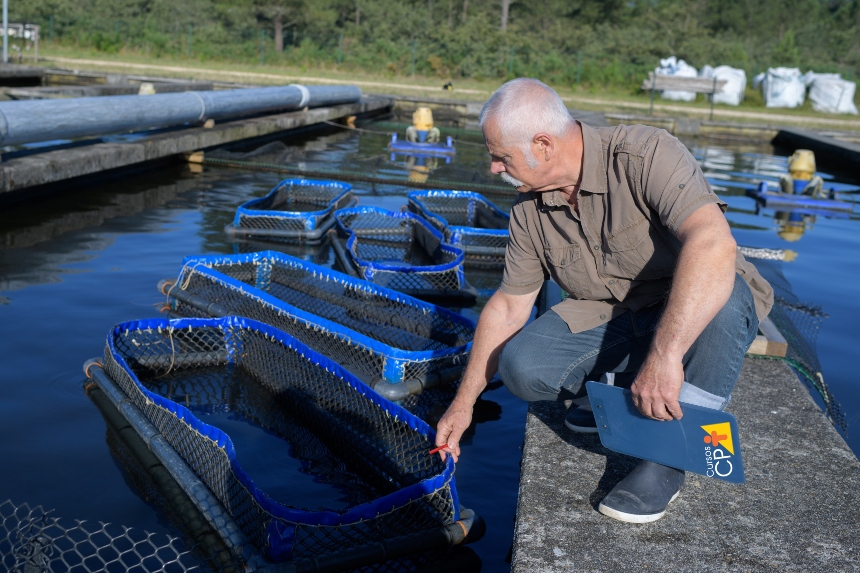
(624,221)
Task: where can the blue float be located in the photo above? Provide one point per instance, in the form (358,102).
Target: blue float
(422,149)
(798,203)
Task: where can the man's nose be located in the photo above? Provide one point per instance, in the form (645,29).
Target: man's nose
(496,167)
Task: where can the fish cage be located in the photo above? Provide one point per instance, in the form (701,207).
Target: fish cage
(469,221)
(397,344)
(296,210)
(401,251)
(168,378)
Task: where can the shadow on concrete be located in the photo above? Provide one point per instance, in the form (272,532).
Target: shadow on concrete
(617,465)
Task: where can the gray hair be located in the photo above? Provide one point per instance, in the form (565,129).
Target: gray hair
(524,107)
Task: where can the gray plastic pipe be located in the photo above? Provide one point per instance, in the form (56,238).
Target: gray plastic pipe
(42,120)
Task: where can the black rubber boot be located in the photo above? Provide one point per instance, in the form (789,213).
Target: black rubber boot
(581,420)
(644,494)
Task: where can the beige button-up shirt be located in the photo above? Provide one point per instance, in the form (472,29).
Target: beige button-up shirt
(639,184)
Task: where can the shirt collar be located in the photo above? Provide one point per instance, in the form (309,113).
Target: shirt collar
(592,169)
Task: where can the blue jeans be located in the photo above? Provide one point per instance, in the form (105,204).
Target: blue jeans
(545,361)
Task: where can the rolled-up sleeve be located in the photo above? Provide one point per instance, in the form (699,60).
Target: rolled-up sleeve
(673,183)
(524,272)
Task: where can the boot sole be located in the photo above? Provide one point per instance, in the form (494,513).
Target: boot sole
(581,429)
(633,517)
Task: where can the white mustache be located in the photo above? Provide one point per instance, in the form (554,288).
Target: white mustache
(510,180)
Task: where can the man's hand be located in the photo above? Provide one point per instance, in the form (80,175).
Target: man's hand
(451,427)
(657,387)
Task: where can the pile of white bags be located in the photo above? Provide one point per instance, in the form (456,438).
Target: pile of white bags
(781,87)
(829,93)
(672,66)
(736,82)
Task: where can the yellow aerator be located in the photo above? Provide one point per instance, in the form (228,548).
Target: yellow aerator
(801,164)
(422,119)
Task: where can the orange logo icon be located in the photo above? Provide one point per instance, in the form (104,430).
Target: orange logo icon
(719,435)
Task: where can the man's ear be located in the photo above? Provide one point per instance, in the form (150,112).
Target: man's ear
(545,144)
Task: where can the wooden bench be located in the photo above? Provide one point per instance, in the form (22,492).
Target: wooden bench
(660,82)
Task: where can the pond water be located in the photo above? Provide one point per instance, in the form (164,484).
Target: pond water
(74,264)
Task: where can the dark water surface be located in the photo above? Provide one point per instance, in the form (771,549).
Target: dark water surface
(73,265)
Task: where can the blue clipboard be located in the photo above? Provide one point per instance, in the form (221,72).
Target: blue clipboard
(704,441)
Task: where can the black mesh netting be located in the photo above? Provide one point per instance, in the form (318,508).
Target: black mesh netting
(394,322)
(35,541)
(483,229)
(295,204)
(799,324)
(421,260)
(357,445)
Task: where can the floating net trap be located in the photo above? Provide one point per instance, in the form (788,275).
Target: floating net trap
(468,221)
(400,251)
(296,209)
(379,334)
(371,452)
(799,324)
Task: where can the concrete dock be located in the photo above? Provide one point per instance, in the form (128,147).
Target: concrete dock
(30,172)
(797,511)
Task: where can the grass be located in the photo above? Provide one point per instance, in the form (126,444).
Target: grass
(592,98)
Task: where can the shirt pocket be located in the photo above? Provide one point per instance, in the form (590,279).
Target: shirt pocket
(567,268)
(639,253)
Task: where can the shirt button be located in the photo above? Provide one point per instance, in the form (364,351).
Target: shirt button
(602,317)
(596,247)
(612,281)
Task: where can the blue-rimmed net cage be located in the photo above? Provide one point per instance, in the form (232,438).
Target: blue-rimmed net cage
(377,333)
(296,209)
(399,250)
(372,451)
(468,220)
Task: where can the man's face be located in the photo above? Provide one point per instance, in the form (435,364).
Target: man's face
(509,161)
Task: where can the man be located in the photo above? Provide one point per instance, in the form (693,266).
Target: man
(624,221)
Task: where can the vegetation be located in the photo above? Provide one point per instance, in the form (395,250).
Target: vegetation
(587,44)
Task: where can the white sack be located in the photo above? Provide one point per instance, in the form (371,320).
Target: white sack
(829,93)
(783,87)
(736,82)
(672,66)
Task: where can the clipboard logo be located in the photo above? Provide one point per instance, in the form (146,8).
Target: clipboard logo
(719,449)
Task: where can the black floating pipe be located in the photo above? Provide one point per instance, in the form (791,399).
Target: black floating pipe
(483,251)
(401,390)
(469,528)
(169,288)
(345,259)
(199,494)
